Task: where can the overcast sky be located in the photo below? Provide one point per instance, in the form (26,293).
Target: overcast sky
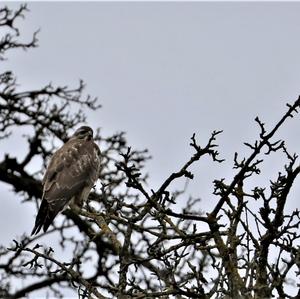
(163,71)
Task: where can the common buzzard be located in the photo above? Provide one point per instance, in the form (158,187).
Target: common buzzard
(72,172)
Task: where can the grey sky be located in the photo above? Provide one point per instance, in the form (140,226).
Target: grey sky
(165,70)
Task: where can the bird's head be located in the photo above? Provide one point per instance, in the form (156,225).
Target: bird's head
(83,132)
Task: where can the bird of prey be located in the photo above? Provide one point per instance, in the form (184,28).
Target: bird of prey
(70,176)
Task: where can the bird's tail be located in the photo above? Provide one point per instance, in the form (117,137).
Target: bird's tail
(44,217)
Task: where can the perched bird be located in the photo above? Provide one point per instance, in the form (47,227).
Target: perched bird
(70,176)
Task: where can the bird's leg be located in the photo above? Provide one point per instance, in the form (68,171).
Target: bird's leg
(76,203)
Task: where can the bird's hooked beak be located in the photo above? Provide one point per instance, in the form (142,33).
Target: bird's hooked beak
(90,136)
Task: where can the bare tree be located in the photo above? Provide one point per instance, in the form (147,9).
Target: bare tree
(138,241)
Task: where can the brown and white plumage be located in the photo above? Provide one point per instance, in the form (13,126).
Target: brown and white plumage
(72,172)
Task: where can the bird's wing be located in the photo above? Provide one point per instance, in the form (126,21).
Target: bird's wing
(71,169)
